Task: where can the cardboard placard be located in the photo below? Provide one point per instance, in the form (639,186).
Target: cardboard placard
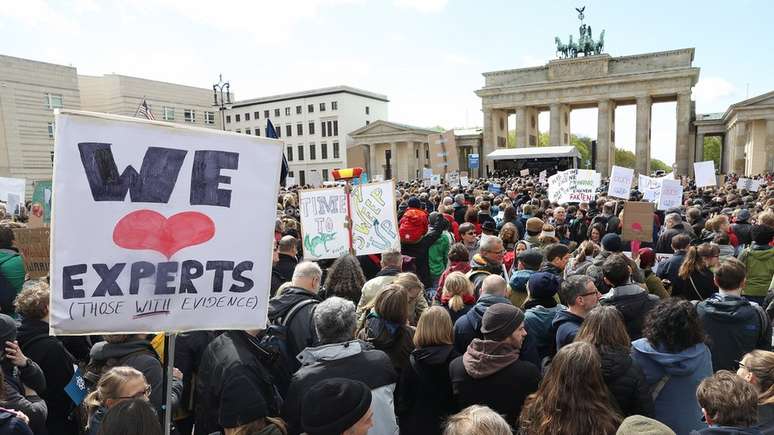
(620,182)
(40,211)
(34,244)
(323,228)
(670,195)
(705,173)
(524,173)
(374,218)
(637,221)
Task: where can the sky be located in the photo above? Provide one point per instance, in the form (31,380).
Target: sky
(427,56)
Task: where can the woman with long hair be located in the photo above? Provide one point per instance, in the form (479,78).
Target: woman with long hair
(509,234)
(605,329)
(416,295)
(757,368)
(596,231)
(386,325)
(572,399)
(509,216)
(459,261)
(674,359)
(114,386)
(345,279)
(696,271)
(581,259)
(457,295)
(471,217)
(425,393)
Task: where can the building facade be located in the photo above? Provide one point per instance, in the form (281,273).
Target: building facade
(29,93)
(314,125)
(450,149)
(122,95)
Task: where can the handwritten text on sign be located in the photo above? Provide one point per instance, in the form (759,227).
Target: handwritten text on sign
(323,217)
(179,244)
(374,223)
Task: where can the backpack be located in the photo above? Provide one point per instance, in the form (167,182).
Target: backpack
(96,368)
(7,291)
(275,342)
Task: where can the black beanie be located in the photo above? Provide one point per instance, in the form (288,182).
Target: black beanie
(242,402)
(334,405)
(7,329)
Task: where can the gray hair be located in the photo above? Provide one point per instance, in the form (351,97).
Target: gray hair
(448,200)
(334,320)
(392,257)
(674,218)
(572,287)
(476,419)
(460,198)
(307,269)
(488,243)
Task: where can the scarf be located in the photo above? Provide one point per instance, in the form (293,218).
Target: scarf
(485,357)
(467,298)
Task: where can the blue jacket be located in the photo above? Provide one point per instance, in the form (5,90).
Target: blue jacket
(565,327)
(669,269)
(537,321)
(676,405)
(468,327)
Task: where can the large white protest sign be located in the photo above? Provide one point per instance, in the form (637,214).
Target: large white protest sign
(453,178)
(374,221)
(748,184)
(464,182)
(705,173)
(670,195)
(427,172)
(573,185)
(12,192)
(650,187)
(314,178)
(620,182)
(524,173)
(543,175)
(159,227)
(323,218)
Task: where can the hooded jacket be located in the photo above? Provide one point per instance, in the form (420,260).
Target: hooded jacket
(480,268)
(425,393)
(676,404)
(735,327)
(518,286)
(596,273)
(397,341)
(468,327)
(564,328)
(300,328)
(669,270)
(352,360)
(15,378)
(12,269)
(373,286)
(538,322)
(626,382)
(138,354)
(439,250)
(633,302)
(759,261)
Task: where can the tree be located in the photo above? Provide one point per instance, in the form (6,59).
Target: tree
(712,148)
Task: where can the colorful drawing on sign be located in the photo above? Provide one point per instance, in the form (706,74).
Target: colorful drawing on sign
(374,224)
(323,222)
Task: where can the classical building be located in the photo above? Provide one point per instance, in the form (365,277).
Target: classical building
(29,93)
(391,150)
(313,124)
(450,149)
(122,95)
(747,135)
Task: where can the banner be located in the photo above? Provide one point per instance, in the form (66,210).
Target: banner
(573,185)
(464,182)
(473,161)
(427,172)
(12,192)
(453,178)
(748,184)
(670,195)
(637,221)
(323,223)
(705,173)
(524,173)
(160,227)
(34,245)
(620,182)
(543,175)
(374,219)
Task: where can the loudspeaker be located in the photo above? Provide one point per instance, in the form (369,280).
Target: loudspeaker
(594,154)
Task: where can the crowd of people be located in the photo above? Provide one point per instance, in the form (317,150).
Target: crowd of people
(498,313)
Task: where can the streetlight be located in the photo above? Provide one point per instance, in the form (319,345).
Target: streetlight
(218,89)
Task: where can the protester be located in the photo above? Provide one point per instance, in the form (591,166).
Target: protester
(742,227)
(582,258)
(468,326)
(12,422)
(696,271)
(12,272)
(457,295)
(728,403)
(757,368)
(459,261)
(469,239)
(581,296)
(533,227)
(557,257)
(386,326)
(631,300)
(392,264)
(669,269)
(460,209)
(540,310)
(417,303)
(595,233)
(130,417)
(477,419)
(528,263)
(639,425)
(673,224)
(611,244)
(344,279)
(439,250)
(488,261)
(116,385)
(414,222)
(759,262)
(572,399)
(288,257)
(337,406)
(646,260)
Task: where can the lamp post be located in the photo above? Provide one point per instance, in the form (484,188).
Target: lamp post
(222,97)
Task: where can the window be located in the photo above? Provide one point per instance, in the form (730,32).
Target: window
(311,128)
(301,178)
(335,128)
(310,108)
(417,153)
(228,119)
(335,150)
(298,110)
(322,128)
(209,118)
(288,130)
(312,152)
(324,150)
(301,153)
(427,153)
(368,110)
(290,154)
(237,118)
(300,129)
(247,116)
(276,113)
(287,111)
(255,114)
(334,105)
(322,107)
(330,130)
(169,114)
(266,114)
(325,175)
(257,131)
(54,101)
(238,130)
(190,115)
(291,174)
(51,129)
(248,131)
(278,130)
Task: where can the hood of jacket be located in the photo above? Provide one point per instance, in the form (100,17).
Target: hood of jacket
(675,364)
(30,328)
(459,266)
(382,333)
(729,309)
(615,363)
(485,301)
(332,352)
(434,355)
(103,350)
(480,263)
(630,289)
(280,305)
(761,252)
(485,357)
(388,271)
(543,313)
(564,316)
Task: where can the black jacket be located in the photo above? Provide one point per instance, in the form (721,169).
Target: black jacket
(57,365)
(766,419)
(137,354)
(699,286)
(743,231)
(664,243)
(734,327)
(189,349)
(14,395)
(626,382)
(300,328)
(634,303)
(459,213)
(285,266)
(425,398)
(394,340)
(727,430)
(669,269)
(231,357)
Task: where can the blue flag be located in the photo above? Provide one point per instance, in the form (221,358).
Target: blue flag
(272,134)
(76,388)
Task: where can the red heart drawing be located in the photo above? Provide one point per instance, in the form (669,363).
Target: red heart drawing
(147,229)
(637,227)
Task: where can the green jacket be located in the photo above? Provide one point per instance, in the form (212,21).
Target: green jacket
(760,269)
(438,255)
(12,268)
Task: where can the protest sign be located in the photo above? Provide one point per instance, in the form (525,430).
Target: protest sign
(12,192)
(453,178)
(573,185)
(34,246)
(705,173)
(543,175)
(435,180)
(660,259)
(670,195)
(290,181)
(314,178)
(748,184)
(650,187)
(323,217)
(427,172)
(473,161)
(464,182)
(180,237)
(637,221)
(495,188)
(40,211)
(620,182)
(374,221)
(524,173)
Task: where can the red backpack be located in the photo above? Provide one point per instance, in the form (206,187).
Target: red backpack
(413,225)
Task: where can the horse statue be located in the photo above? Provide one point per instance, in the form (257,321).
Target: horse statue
(600,45)
(562,50)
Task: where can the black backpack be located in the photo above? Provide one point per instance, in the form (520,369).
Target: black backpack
(96,368)
(7,292)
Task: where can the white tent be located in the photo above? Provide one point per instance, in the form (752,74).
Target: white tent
(535,153)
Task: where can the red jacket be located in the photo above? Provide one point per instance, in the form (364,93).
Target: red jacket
(413,225)
(455,227)
(454,266)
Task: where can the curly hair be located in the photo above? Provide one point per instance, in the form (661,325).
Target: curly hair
(345,278)
(673,325)
(32,301)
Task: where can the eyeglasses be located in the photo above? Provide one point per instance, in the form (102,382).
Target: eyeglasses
(146,393)
(589,293)
(741,364)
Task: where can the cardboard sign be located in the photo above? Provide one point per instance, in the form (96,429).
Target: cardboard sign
(670,195)
(637,221)
(323,218)
(573,185)
(748,184)
(160,227)
(524,173)
(314,178)
(453,178)
(374,218)
(620,182)
(12,193)
(543,175)
(40,212)
(705,173)
(34,246)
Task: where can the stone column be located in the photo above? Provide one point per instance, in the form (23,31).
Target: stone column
(372,163)
(421,148)
(489,138)
(770,145)
(642,137)
(739,143)
(683,132)
(699,148)
(394,160)
(522,127)
(559,128)
(605,136)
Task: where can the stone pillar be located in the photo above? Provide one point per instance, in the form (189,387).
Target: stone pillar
(421,148)
(770,145)
(642,137)
(683,132)
(605,136)
(559,129)
(394,160)
(522,127)
(373,169)
(489,140)
(739,142)
(699,156)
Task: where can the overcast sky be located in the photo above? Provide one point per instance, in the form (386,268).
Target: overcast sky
(427,56)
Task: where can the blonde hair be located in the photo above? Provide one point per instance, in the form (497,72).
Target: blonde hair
(456,286)
(761,364)
(408,280)
(434,328)
(109,386)
(32,302)
(476,420)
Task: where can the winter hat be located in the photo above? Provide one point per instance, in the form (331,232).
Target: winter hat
(489,226)
(334,405)
(762,234)
(543,285)
(743,215)
(639,425)
(242,402)
(534,225)
(7,329)
(647,257)
(611,242)
(413,202)
(500,320)
(532,258)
